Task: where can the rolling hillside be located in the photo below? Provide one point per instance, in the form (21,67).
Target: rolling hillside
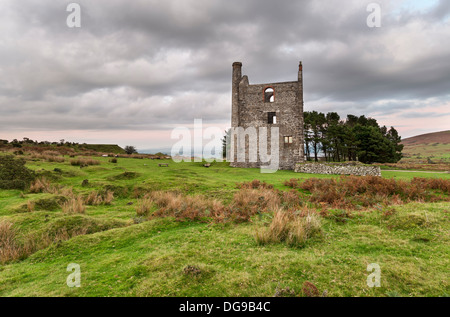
(435,146)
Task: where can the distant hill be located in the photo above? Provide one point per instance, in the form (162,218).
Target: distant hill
(433,146)
(155,150)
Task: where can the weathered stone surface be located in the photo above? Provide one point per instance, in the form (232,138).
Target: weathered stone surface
(350,168)
(251,107)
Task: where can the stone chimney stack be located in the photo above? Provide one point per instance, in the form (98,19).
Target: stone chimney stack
(237,76)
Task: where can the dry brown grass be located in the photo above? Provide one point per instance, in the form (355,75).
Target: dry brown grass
(310,290)
(194,208)
(49,156)
(254,184)
(74,205)
(95,198)
(249,201)
(55,159)
(65,191)
(41,185)
(11,249)
(262,199)
(30,206)
(291,228)
(84,162)
(349,192)
(144,207)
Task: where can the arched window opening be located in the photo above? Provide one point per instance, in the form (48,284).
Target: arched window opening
(269,95)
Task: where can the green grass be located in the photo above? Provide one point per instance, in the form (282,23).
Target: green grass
(120,258)
(437,152)
(410,175)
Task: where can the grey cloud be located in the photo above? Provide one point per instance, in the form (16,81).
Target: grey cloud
(129,57)
(412,115)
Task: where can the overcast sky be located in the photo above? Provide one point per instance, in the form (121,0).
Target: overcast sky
(136,69)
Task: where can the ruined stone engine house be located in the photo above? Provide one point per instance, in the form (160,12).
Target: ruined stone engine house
(268,105)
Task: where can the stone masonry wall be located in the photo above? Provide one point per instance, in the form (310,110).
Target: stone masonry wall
(250,110)
(352,168)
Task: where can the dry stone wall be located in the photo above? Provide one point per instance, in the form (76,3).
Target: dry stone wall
(352,168)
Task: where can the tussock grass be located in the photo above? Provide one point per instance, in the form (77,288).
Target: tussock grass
(9,249)
(84,162)
(74,205)
(193,208)
(30,206)
(290,228)
(144,207)
(41,185)
(246,203)
(96,199)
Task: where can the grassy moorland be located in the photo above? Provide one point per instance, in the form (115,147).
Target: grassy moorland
(137,229)
(434,147)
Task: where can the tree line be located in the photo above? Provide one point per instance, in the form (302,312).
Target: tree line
(27,141)
(351,139)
